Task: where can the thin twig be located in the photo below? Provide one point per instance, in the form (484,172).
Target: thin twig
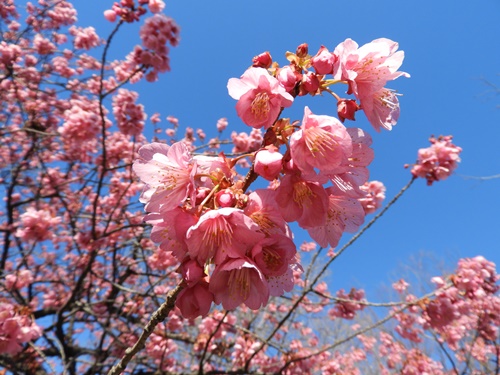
(157,317)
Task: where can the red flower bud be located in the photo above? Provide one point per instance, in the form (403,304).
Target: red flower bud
(346,108)
(264,60)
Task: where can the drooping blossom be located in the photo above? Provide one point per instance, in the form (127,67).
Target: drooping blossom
(344,214)
(238,281)
(16,329)
(273,254)
(195,300)
(263,210)
(220,234)
(367,69)
(302,200)
(323,62)
(260,97)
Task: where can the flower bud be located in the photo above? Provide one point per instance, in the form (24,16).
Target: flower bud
(302,50)
(346,108)
(264,60)
(225,198)
(268,163)
(323,61)
(310,84)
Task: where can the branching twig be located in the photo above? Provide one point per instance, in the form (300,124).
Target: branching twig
(157,317)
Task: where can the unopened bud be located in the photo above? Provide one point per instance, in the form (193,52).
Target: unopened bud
(264,60)
(302,50)
(346,109)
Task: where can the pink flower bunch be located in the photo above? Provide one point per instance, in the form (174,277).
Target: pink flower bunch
(346,306)
(233,247)
(37,225)
(126,10)
(156,32)
(85,38)
(365,70)
(438,161)
(19,279)
(16,329)
(129,116)
(375,195)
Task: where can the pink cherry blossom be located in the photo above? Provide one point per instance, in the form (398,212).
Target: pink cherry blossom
(260,97)
(323,62)
(37,225)
(220,234)
(322,143)
(263,209)
(303,201)
(367,69)
(273,255)
(438,161)
(344,214)
(15,329)
(239,281)
(168,173)
(195,300)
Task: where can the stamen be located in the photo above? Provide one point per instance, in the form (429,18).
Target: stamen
(260,105)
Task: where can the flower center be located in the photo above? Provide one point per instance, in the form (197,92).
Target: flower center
(239,283)
(302,194)
(319,142)
(260,105)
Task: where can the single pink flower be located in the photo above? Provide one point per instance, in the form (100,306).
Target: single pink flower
(263,209)
(288,77)
(260,97)
(321,144)
(221,234)
(344,214)
(169,230)
(168,172)
(195,301)
(303,201)
(274,254)
(238,281)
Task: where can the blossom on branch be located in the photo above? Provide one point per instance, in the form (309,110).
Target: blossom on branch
(260,97)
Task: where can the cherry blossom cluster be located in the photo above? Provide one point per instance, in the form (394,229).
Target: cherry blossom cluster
(204,218)
(16,328)
(438,161)
(366,70)
(129,11)
(236,247)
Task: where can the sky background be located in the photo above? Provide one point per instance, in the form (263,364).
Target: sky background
(452,51)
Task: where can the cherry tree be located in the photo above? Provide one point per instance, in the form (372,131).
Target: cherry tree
(122,254)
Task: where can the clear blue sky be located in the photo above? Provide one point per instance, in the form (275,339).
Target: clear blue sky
(451,47)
